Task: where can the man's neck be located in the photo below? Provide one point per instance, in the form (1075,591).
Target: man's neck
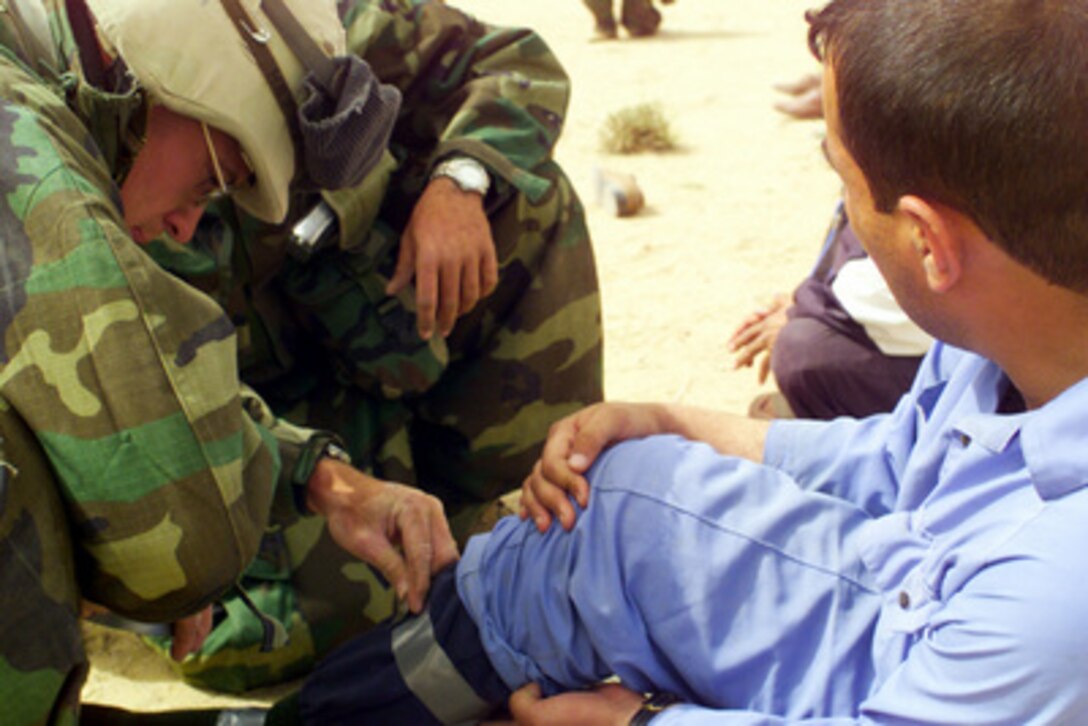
(1040,342)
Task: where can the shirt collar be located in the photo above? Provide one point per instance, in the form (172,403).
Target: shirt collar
(1052,438)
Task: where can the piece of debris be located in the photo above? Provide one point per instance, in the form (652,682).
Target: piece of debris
(617,192)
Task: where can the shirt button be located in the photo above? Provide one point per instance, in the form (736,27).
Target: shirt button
(965,440)
(904,599)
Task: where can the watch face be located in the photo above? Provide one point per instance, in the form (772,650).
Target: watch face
(473,176)
(468,174)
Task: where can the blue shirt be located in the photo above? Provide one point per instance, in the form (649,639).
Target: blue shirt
(978,543)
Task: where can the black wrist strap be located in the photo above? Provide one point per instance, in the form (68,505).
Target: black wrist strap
(652,705)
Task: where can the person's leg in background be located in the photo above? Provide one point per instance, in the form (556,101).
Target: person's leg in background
(605,21)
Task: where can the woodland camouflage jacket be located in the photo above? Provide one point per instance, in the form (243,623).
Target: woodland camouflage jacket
(119,383)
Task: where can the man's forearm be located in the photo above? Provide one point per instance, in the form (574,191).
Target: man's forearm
(728,433)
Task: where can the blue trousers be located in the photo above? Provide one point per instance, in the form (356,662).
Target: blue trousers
(711,577)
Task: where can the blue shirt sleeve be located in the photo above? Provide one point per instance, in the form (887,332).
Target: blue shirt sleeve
(843,458)
(860,460)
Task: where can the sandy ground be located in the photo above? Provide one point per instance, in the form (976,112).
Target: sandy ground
(736,214)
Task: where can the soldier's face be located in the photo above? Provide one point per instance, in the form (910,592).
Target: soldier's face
(174,174)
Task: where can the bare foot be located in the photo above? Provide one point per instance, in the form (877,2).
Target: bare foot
(807,106)
(606,31)
(801,85)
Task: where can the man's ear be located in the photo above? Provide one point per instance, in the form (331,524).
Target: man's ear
(934,238)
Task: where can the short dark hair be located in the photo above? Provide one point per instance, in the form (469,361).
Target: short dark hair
(978,104)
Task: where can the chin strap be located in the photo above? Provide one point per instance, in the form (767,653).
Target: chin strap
(256,39)
(343,123)
(90,52)
(302,45)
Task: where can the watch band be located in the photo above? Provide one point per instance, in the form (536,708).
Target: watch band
(321,445)
(334,450)
(652,705)
(468,174)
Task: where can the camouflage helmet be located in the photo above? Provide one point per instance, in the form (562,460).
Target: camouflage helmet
(193,56)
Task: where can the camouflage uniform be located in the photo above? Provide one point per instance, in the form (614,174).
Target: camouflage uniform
(136,470)
(464,417)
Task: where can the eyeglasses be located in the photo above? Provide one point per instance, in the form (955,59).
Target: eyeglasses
(224,189)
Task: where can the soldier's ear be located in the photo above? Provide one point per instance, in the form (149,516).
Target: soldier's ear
(935,241)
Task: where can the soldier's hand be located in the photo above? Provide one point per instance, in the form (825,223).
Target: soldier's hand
(190,633)
(399,530)
(448,248)
(573,444)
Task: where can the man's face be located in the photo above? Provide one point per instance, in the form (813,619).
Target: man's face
(174,174)
(891,239)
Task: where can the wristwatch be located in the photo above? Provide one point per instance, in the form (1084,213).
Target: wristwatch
(652,705)
(468,174)
(322,445)
(333,450)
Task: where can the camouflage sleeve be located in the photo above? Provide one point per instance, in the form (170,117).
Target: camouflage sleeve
(127,377)
(496,94)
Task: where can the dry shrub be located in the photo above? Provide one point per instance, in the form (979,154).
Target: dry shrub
(636,129)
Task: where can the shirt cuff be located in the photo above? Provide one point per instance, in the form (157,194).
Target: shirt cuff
(300,459)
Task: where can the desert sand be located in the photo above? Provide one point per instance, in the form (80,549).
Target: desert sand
(732,216)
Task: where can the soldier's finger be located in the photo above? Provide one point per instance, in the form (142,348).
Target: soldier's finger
(190,633)
(489,271)
(426,298)
(470,289)
(414,535)
(443,544)
(449,296)
(406,263)
(380,553)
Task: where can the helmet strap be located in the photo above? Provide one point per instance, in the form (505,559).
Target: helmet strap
(256,39)
(90,52)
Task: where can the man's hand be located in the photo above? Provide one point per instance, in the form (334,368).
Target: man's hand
(399,530)
(188,633)
(448,248)
(606,705)
(573,444)
(757,333)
